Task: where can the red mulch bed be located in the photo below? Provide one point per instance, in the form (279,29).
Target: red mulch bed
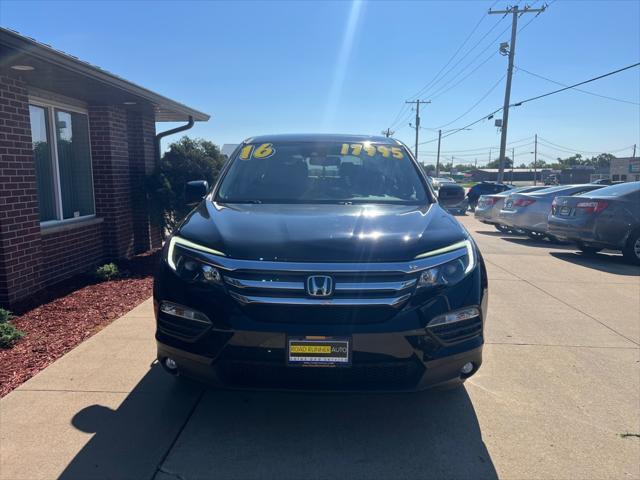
(57,319)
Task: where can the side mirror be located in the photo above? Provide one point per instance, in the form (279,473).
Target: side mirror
(450,195)
(194,191)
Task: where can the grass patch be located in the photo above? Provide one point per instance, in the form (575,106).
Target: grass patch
(9,334)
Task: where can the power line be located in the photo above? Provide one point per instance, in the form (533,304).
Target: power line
(510,49)
(530,138)
(446,87)
(404,106)
(449,87)
(555,146)
(517,104)
(395,120)
(437,75)
(442,91)
(575,85)
(577,89)
(472,154)
(493,87)
(405,118)
(527,24)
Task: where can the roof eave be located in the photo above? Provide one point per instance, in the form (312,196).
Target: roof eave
(62,60)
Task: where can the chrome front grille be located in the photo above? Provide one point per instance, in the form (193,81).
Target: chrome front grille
(387,285)
(350,289)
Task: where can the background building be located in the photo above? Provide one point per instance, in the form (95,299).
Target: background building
(625,169)
(76,143)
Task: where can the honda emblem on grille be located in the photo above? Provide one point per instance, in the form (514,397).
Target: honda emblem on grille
(319,286)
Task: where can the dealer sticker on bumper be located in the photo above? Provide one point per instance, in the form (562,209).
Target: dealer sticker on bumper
(312,351)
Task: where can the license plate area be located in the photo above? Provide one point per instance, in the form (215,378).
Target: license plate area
(318,351)
(565,211)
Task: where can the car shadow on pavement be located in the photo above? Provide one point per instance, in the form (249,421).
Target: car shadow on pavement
(245,434)
(530,242)
(610,263)
(504,235)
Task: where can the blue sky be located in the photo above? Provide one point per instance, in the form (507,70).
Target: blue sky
(272,67)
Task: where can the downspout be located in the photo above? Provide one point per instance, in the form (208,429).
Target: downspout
(160,135)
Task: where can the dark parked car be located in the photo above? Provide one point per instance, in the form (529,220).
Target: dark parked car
(606,218)
(319,251)
(453,190)
(484,188)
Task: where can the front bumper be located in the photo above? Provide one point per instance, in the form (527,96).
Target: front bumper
(260,367)
(244,346)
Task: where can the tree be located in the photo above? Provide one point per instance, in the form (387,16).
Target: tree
(428,167)
(508,163)
(187,159)
(601,161)
(540,164)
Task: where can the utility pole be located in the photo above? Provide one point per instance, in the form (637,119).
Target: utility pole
(438,157)
(417,126)
(634,149)
(515,12)
(513,162)
(388,132)
(535,161)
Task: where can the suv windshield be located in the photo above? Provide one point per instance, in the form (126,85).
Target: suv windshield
(325,172)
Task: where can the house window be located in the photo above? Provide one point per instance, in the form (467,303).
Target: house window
(62,154)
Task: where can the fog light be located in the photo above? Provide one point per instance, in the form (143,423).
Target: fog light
(183,312)
(171,364)
(467,368)
(456,316)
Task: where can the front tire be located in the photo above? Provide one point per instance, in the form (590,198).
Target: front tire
(502,228)
(631,250)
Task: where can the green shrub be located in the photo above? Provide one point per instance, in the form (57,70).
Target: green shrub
(9,335)
(108,271)
(5,315)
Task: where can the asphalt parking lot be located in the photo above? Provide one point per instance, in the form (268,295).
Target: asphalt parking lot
(558,396)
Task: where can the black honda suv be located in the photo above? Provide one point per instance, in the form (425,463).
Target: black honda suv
(321,262)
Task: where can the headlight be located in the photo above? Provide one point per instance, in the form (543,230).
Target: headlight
(188,266)
(451,272)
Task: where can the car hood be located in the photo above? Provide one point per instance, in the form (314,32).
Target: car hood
(321,233)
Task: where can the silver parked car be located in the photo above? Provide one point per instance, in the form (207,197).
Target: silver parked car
(529,211)
(488,208)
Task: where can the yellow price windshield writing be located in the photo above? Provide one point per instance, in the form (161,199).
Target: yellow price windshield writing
(260,151)
(358,149)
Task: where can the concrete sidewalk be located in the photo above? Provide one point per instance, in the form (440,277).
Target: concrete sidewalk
(559,387)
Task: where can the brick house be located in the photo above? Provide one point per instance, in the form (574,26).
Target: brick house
(75,145)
